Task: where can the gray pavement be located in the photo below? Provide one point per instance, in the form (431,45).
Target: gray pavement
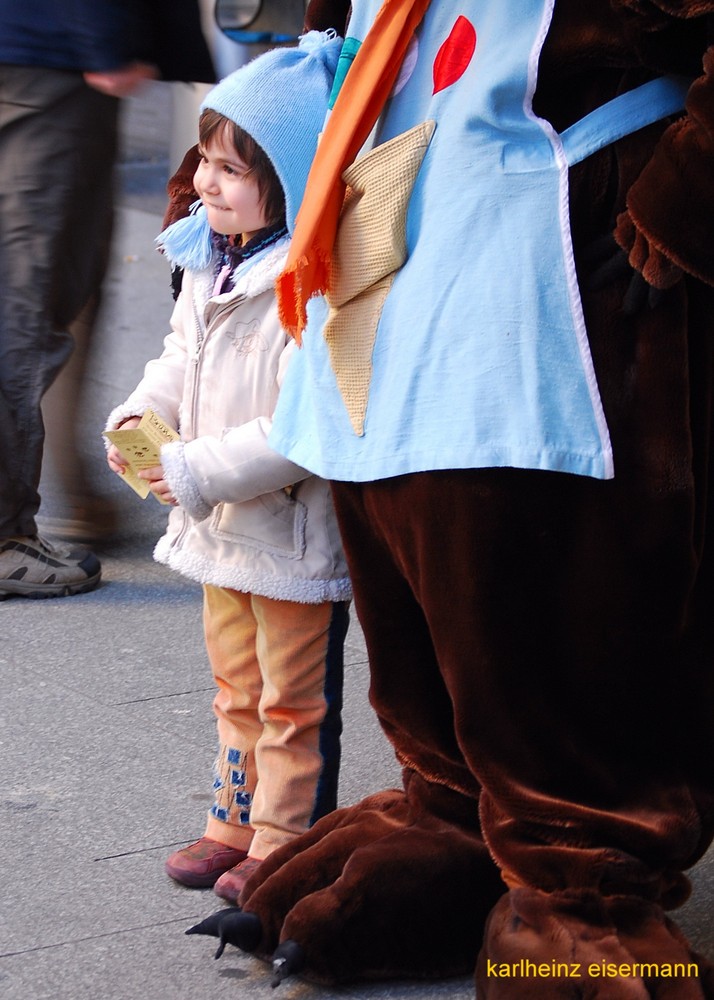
(107,734)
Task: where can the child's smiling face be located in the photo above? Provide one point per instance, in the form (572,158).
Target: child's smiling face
(228,190)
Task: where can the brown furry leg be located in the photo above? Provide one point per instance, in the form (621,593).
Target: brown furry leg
(563,946)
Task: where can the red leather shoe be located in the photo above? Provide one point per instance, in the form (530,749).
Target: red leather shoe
(230,885)
(200,864)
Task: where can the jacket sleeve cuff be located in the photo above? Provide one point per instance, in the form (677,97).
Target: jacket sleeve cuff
(183,485)
(132,407)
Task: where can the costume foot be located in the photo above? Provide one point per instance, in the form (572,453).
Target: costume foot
(553,946)
(360,895)
(232,926)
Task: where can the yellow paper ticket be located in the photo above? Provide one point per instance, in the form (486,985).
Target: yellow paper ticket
(141,448)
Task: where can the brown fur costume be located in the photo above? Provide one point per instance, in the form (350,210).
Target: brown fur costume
(541,645)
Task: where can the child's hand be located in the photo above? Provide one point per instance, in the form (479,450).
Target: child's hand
(158,485)
(115,459)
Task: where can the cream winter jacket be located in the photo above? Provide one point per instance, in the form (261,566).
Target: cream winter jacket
(249,519)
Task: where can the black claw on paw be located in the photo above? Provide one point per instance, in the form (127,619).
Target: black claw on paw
(288,957)
(232,926)
(212,925)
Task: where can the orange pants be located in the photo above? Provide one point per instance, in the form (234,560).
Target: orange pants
(278,667)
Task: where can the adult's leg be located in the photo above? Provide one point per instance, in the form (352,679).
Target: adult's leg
(71,508)
(57,146)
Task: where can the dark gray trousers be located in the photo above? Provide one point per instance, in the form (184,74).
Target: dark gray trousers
(58,141)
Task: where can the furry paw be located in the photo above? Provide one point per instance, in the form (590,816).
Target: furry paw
(376,892)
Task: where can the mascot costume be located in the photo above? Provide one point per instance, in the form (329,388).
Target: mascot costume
(502,280)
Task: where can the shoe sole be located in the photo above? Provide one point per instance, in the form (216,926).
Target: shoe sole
(35,591)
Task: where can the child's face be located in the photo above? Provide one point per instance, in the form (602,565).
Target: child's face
(230,195)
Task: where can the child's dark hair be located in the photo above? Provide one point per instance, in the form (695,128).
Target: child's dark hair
(272,196)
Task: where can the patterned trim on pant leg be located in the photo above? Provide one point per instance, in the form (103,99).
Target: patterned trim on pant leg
(232,800)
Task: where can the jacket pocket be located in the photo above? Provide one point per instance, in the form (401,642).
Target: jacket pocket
(273,523)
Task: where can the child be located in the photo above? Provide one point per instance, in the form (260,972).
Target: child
(256,530)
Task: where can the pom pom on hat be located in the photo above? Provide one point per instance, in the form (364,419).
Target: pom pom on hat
(280,99)
(187,242)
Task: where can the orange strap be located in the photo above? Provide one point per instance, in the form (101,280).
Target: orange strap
(362,96)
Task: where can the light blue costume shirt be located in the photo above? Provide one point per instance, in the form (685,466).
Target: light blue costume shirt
(481,355)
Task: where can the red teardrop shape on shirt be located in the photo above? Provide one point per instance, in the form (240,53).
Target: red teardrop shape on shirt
(455,54)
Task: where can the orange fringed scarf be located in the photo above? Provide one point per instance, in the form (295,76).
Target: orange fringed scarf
(364,92)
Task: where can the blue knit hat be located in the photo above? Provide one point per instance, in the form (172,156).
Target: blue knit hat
(280,99)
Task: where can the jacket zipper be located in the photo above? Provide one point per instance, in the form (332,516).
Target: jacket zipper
(201,336)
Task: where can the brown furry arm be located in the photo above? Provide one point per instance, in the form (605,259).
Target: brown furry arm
(669,222)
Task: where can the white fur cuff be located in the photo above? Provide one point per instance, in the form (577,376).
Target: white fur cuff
(183,485)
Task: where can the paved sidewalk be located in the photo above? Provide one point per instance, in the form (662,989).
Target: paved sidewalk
(107,740)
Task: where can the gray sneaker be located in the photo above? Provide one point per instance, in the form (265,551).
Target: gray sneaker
(32,567)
